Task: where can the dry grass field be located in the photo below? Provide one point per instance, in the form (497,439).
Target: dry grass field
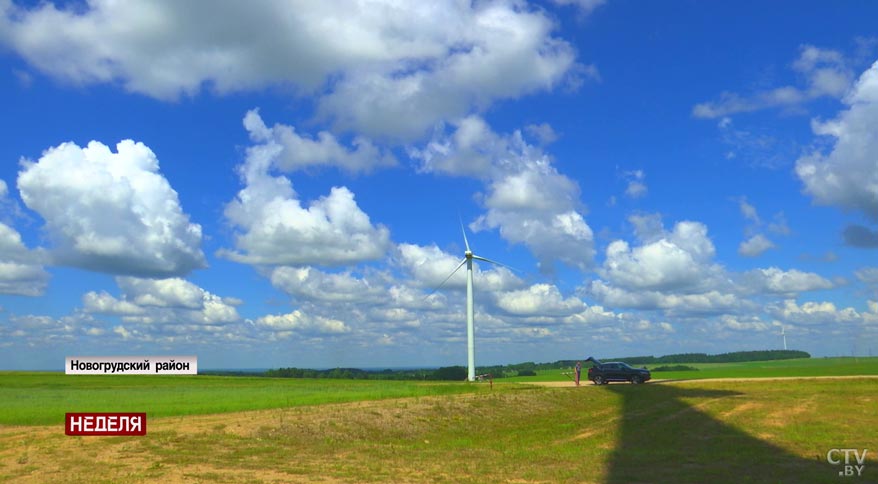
(686,432)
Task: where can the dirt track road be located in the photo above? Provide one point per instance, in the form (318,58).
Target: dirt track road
(586,383)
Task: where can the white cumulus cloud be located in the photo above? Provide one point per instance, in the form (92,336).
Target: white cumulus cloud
(814,313)
(470,150)
(847,176)
(21,270)
(310,284)
(301,322)
(710,301)
(430,265)
(743,323)
(104,303)
(585,6)
(670,271)
(170,302)
(636,186)
(539,300)
(301,151)
(538,207)
(167,293)
(678,260)
(868,275)
(527,199)
(825,72)
(755,246)
(749,211)
(776,280)
(273,227)
(111,212)
(380,67)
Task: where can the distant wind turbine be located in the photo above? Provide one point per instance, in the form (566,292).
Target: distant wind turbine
(470,330)
(784,335)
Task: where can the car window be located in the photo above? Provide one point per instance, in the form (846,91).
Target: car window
(625,366)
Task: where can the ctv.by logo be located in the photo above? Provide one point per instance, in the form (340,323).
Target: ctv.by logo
(849,470)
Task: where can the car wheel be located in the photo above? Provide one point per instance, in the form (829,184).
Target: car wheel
(637,380)
(599,380)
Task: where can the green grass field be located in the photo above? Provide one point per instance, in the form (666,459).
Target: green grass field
(199,429)
(750,369)
(693,432)
(39,398)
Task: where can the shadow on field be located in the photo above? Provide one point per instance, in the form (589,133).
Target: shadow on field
(665,438)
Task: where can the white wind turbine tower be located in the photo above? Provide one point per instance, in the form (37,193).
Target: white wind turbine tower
(470,330)
(784,335)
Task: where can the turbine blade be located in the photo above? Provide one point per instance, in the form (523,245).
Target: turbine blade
(446,279)
(465,242)
(478,257)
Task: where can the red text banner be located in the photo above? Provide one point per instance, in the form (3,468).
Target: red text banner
(105,424)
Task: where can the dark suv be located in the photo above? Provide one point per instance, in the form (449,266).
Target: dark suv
(603,373)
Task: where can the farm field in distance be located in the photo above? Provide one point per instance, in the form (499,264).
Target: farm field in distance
(273,430)
(839,366)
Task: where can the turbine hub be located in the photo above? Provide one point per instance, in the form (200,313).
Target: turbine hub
(468,254)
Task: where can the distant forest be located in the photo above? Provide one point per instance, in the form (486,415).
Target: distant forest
(457,373)
(736,357)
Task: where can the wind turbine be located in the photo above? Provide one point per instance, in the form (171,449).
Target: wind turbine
(784,335)
(470,330)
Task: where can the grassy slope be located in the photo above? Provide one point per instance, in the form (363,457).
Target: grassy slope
(752,369)
(42,398)
(692,432)
(34,398)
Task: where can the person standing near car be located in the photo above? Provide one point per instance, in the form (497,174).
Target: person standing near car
(578,371)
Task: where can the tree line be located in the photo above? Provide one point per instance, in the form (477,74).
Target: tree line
(734,357)
(449,373)
(459,373)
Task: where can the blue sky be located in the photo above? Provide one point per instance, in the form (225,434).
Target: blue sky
(280,184)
